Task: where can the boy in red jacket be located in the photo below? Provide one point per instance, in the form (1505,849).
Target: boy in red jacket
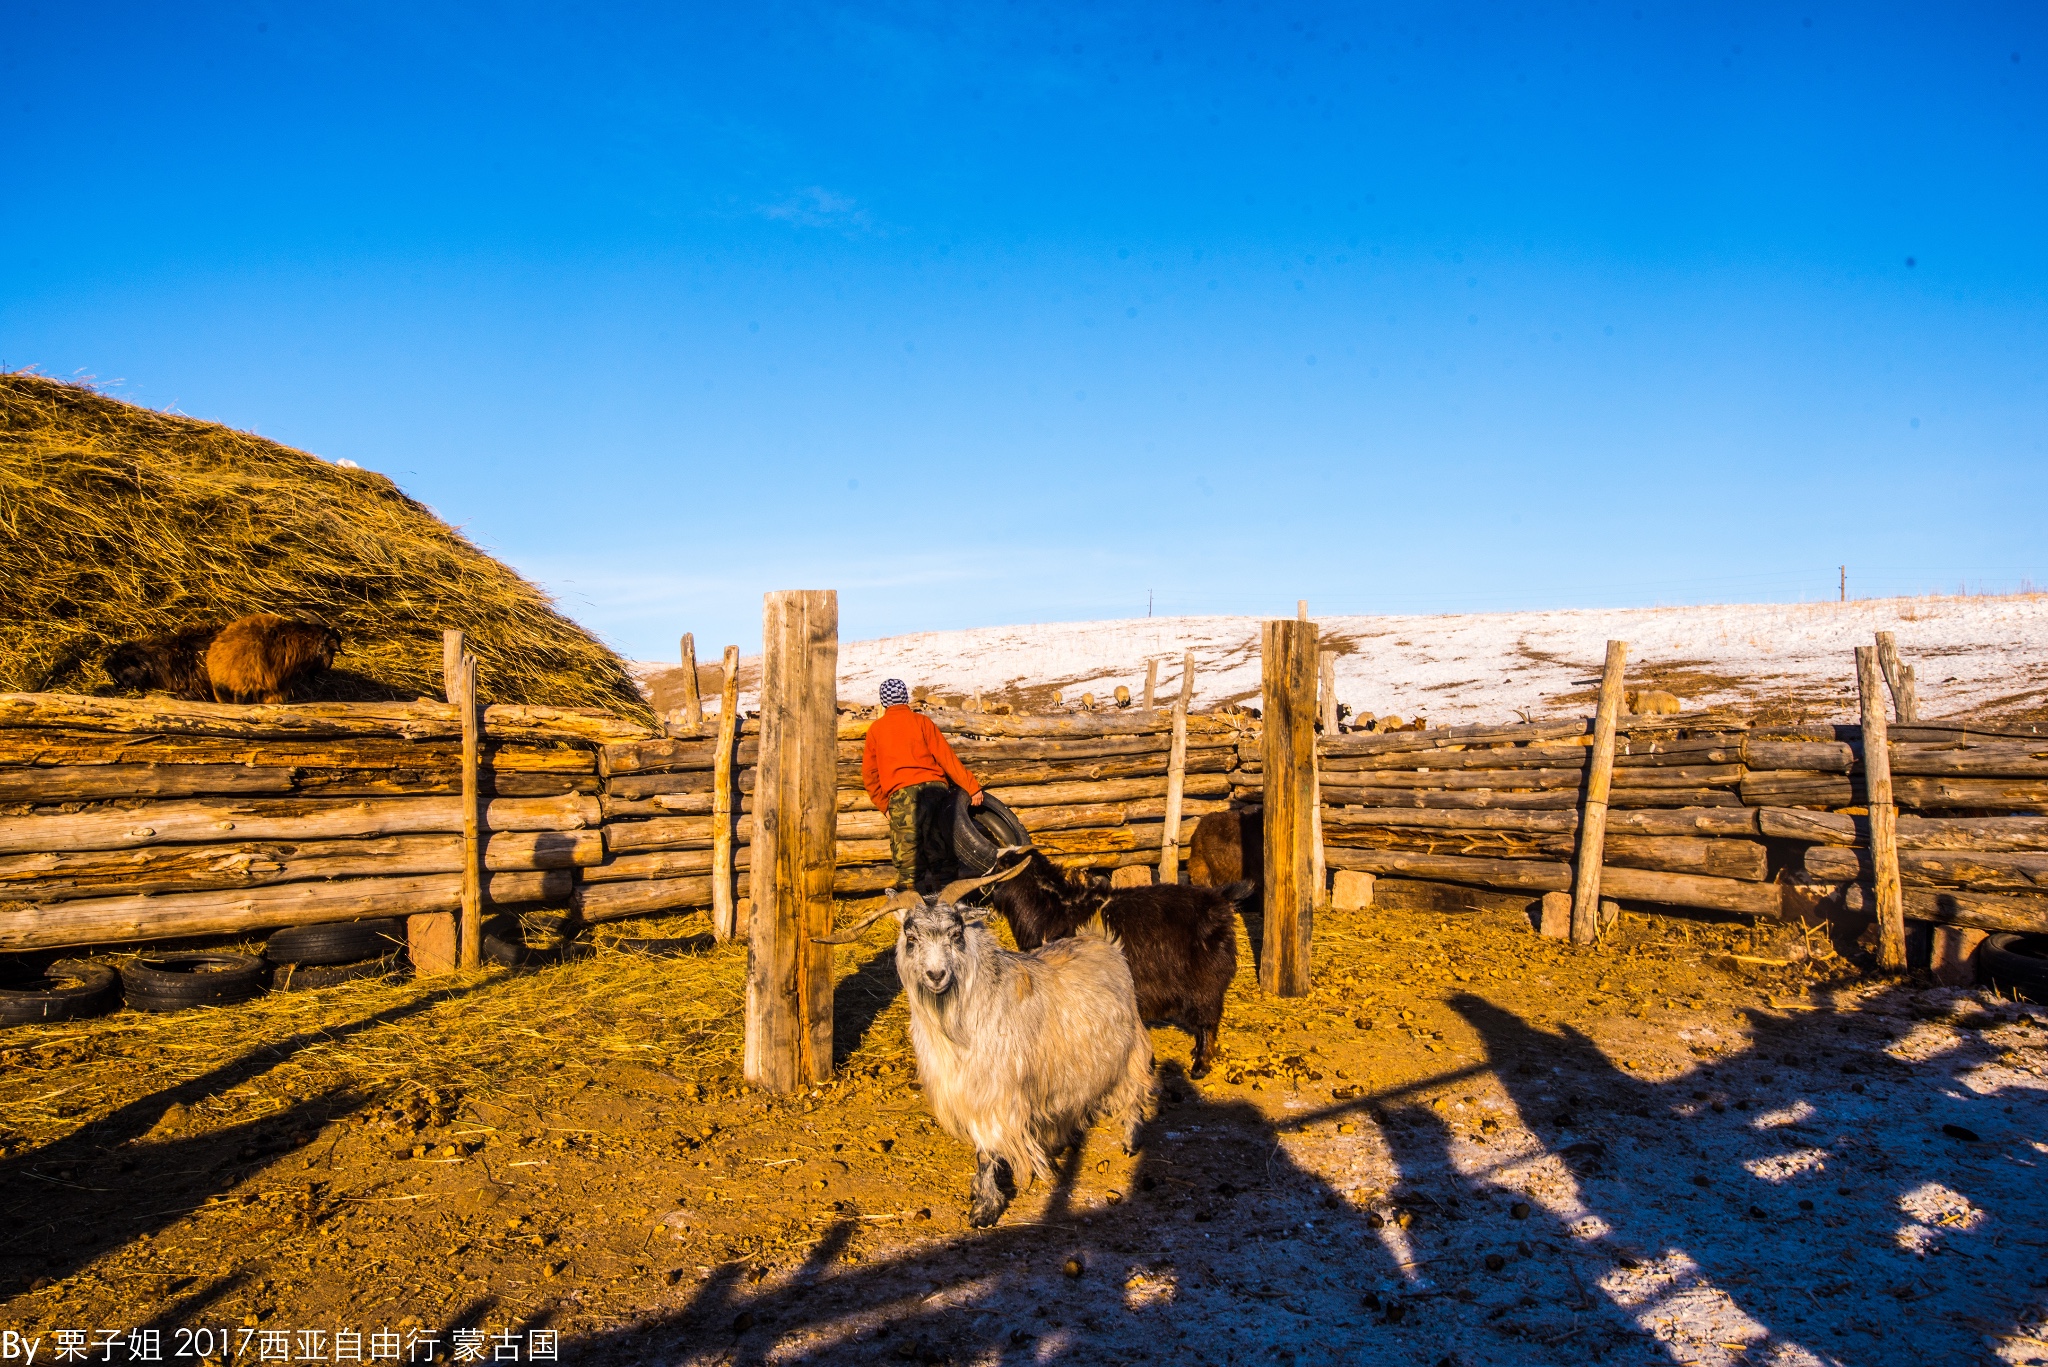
(905,766)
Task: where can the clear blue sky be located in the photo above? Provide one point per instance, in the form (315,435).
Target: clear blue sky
(989,314)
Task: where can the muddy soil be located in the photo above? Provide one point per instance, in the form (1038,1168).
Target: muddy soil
(1692,1144)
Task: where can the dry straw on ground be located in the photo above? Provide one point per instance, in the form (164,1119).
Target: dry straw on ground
(118,521)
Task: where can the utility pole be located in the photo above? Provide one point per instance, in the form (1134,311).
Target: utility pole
(1845,585)
(1148,602)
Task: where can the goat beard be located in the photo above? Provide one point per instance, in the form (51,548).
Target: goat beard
(943,1008)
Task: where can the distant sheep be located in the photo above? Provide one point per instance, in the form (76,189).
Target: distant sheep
(174,663)
(1227,847)
(1122,696)
(264,658)
(1651,702)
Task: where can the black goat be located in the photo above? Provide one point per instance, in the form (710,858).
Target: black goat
(1181,942)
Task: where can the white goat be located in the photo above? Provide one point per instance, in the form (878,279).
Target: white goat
(1019,1053)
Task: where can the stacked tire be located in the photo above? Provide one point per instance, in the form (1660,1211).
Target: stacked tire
(173,982)
(69,989)
(336,952)
(2015,965)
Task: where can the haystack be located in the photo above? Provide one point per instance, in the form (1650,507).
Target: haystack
(117,522)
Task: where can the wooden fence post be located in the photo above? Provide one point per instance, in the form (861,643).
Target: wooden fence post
(472,931)
(693,702)
(1326,684)
(1151,681)
(1176,781)
(1898,678)
(1884,817)
(1593,824)
(724,909)
(789,975)
(451,664)
(1288,665)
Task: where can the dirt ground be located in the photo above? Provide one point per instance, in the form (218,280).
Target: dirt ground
(1466,1145)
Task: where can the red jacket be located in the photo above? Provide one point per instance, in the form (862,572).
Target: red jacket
(904,748)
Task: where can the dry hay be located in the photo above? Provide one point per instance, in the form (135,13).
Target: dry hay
(123,522)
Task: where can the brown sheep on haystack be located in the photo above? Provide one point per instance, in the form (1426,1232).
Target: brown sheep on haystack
(264,658)
(174,663)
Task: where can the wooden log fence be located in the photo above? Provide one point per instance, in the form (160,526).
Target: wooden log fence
(130,819)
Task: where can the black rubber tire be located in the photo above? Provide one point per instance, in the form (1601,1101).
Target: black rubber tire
(69,989)
(503,941)
(2015,963)
(172,982)
(305,977)
(980,833)
(335,942)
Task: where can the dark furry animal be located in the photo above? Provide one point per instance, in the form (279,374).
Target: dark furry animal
(1228,847)
(173,663)
(1180,942)
(264,658)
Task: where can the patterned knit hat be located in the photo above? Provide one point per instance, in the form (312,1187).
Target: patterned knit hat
(895,693)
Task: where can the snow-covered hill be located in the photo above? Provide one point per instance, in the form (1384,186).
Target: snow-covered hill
(1982,655)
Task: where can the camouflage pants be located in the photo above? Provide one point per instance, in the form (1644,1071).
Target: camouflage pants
(911,811)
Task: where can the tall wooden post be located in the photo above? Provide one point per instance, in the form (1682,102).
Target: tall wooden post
(724,909)
(1288,668)
(1151,681)
(1176,782)
(1187,682)
(693,703)
(1301,609)
(1593,824)
(789,975)
(1898,677)
(1884,817)
(471,937)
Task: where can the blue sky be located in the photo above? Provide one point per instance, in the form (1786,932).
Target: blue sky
(987,314)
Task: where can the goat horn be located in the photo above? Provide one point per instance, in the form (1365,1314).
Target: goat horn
(896,903)
(959,888)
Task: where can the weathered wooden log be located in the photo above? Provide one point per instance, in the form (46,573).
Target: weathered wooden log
(1978,910)
(248,864)
(1742,859)
(1999,759)
(1982,833)
(1820,757)
(1962,729)
(633,786)
(1539,780)
(470,926)
(725,922)
(659,864)
(1287,667)
(1532,874)
(421,720)
(1001,774)
(597,902)
(1641,885)
(1705,821)
(31,748)
(1884,817)
(660,833)
(116,920)
(112,782)
(1108,790)
(1136,836)
(1985,871)
(1792,788)
(86,782)
(1419,895)
(210,822)
(1478,799)
(788,1014)
(1971,794)
(1368,743)
(1693,890)
(1131,723)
